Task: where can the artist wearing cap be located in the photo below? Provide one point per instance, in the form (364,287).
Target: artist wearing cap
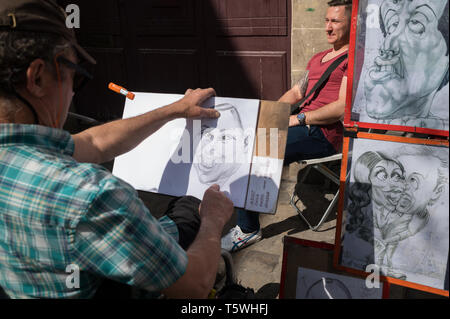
(59,212)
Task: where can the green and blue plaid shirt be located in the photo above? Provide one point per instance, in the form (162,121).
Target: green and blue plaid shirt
(58,216)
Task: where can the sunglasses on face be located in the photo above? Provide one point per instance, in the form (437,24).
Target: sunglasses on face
(82,75)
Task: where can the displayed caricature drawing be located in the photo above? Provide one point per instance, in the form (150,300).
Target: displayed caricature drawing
(396,211)
(404,77)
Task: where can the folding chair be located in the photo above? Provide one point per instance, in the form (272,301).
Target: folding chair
(319,165)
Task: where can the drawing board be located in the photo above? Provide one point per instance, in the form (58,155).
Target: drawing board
(185,157)
(267,163)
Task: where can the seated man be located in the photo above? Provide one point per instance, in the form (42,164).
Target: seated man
(57,210)
(316,131)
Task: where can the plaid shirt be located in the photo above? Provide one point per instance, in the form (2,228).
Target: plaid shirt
(58,216)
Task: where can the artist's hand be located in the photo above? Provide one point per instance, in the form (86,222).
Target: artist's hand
(216,207)
(190,105)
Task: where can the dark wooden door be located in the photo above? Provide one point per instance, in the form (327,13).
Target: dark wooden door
(239,47)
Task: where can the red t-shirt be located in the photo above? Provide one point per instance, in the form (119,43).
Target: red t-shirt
(329,93)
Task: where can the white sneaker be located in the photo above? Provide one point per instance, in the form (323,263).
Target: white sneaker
(237,239)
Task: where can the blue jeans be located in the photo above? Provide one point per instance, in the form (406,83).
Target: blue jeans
(302,143)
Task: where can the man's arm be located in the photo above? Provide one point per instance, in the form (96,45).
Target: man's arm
(204,253)
(327,114)
(297,92)
(105,142)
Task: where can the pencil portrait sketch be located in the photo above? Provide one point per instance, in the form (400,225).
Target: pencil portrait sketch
(222,149)
(314,284)
(214,151)
(405,77)
(186,156)
(396,213)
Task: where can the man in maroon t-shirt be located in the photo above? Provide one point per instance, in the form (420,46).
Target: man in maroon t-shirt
(317,130)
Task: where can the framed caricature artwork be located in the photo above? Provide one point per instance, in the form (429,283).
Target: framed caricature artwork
(308,273)
(394,210)
(399,66)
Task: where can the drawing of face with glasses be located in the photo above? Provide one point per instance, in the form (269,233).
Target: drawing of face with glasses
(412,65)
(223,146)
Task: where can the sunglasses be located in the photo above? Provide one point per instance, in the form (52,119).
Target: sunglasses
(82,75)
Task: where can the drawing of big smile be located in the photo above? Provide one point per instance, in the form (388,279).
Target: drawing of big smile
(388,65)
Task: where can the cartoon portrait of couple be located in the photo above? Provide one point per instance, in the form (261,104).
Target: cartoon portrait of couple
(405,73)
(396,199)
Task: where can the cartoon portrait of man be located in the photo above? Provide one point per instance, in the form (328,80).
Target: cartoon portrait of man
(222,149)
(406,80)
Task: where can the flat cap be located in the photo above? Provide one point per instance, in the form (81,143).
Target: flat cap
(40,16)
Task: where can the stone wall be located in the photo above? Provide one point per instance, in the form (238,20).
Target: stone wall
(308,33)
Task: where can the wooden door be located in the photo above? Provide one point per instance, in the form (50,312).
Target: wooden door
(239,47)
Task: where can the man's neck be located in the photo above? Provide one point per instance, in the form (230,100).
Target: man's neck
(339,48)
(334,53)
(15,111)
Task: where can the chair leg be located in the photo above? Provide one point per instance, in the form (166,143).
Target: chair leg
(295,199)
(293,203)
(305,174)
(327,212)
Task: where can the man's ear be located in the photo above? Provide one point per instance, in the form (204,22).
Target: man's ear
(436,194)
(36,78)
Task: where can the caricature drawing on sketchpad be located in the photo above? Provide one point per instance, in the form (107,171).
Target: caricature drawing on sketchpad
(185,157)
(221,154)
(222,149)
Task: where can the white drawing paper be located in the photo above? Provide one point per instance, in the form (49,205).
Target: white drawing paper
(397,211)
(314,284)
(185,157)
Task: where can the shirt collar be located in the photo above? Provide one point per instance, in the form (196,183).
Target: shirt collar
(37,135)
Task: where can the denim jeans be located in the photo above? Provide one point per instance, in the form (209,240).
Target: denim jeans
(305,143)
(302,143)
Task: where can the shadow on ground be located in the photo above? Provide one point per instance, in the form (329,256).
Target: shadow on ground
(311,206)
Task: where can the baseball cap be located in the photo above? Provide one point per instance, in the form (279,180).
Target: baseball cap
(41,16)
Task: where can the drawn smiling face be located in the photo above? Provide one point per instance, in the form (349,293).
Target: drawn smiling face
(412,59)
(222,148)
